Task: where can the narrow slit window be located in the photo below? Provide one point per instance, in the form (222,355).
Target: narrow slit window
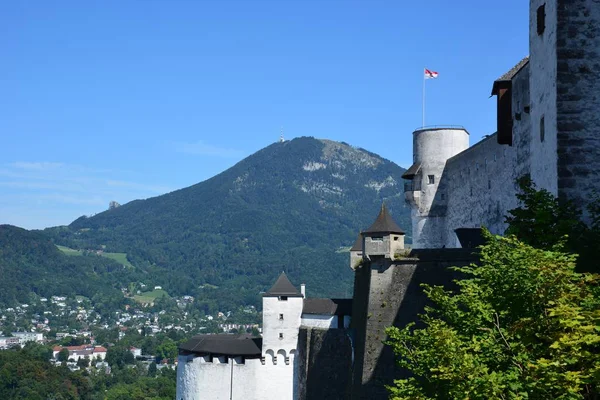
(281,317)
(541,19)
(431,179)
(281,336)
(542,129)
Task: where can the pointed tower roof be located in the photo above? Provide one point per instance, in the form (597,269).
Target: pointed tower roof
(384,223)
(283,287)
(358,244)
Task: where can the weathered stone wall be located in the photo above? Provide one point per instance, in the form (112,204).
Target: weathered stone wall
(578,99)
(325,364)
(542,85)
(394,296)
(481,188)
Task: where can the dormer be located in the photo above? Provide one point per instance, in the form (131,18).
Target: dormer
(502,89)
(384,238)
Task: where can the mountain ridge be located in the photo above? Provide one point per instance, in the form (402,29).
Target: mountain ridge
(288,207)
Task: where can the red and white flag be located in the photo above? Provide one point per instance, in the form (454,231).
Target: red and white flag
(430,74)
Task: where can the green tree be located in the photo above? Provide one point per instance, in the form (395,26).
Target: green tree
(522,325)
(167,349)
(63,355)
(543,221)
(152,370)
(83,362)
(118,356)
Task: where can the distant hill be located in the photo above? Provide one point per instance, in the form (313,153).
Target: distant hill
(292,206)
(31,265)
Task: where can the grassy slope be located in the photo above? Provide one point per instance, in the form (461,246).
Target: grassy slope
(149,297)
(121,258)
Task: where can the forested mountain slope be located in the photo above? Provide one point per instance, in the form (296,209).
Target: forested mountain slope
(31,265)
(289,207)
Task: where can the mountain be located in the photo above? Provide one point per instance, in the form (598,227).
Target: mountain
(292,206)
(31,265)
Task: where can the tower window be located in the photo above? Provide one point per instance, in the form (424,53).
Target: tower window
(542,129)
(489,184)
(281,317)
(282,298)
(541,19)
(281,336)
(431,179)
(377,239)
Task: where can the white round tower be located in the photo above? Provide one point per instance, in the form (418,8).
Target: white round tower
(425,191)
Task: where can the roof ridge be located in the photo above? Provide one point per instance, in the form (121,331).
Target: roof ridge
(283,287)
(384,223)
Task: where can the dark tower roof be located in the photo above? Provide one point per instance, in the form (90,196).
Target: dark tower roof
(283,287)
(358,244)
(384,223)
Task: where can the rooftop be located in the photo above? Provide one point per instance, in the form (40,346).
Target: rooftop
(223,345)
(384,223)
(327,306)
(358,244)
(283,287)
(509,75)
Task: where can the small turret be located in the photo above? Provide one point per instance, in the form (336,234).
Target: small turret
(384,238)
(282,310)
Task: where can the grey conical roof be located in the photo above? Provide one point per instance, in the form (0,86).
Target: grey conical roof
(283,287)
(358,244)
(384,223)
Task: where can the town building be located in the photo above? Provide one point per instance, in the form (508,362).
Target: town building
(84,351)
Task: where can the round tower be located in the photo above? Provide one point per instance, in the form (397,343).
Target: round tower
(425,191)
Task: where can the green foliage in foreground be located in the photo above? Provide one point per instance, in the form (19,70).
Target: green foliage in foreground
(27,374)
(543,221)
(523,325)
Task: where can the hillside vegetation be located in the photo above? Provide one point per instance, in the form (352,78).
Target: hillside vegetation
(31,265)
(289,207)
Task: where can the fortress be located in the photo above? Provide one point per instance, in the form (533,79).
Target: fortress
(548,127)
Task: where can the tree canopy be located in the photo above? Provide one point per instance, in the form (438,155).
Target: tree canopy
(522,325)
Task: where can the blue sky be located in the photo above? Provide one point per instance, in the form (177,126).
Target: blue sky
(119,100)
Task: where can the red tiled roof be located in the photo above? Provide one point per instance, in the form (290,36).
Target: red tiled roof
(100,349)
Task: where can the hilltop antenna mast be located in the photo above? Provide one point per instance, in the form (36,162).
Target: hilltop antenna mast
(281,139)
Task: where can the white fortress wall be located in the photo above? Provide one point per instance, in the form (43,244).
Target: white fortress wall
(281,321)
(224,378)
(320,321)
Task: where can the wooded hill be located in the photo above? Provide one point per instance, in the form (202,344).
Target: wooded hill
(295,206)
(31,265)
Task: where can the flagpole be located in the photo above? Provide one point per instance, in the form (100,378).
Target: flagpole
(423,99)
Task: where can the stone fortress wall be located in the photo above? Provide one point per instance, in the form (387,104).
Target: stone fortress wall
(549,131)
